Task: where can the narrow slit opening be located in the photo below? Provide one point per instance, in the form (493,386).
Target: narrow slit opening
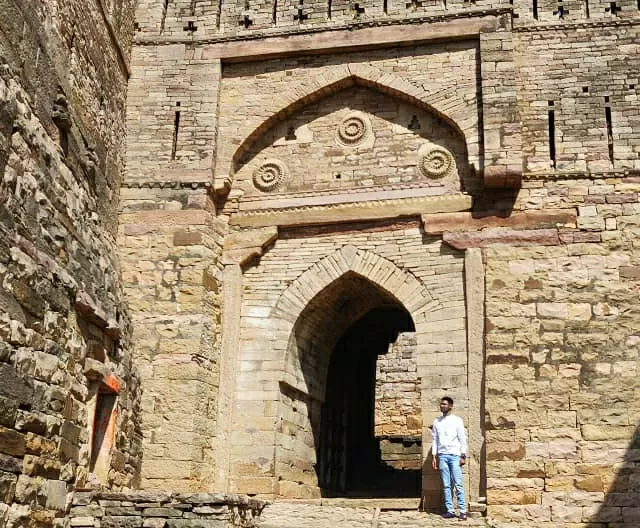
(535,9)
(176,127)
(607,115)
(165,7)
(552,134)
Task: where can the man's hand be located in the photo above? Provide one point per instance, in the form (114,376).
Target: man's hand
(463,461)
(434,463)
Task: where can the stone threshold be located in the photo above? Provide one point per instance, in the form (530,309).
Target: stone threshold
(399,503)
(357,502)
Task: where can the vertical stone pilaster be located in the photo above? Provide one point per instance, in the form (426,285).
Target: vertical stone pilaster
(232,303)
(474,288)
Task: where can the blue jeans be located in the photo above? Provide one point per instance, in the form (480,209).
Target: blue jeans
(451,472)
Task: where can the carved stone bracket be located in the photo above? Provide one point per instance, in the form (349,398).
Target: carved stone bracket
(463,230)
(241,246)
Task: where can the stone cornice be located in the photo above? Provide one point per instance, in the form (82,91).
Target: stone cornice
(353,212)
(561,25)
(575,175)
(398,31)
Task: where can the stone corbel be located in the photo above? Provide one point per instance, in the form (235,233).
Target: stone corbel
(241,246)
(464,230)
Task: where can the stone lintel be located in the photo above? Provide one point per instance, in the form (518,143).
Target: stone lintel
(100,372)
(350,212)
(240,246)
(436,224)
(511,237)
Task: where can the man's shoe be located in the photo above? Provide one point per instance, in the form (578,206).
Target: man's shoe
(448,515)
(463,517)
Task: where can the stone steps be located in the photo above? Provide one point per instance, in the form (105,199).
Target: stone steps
(326,515)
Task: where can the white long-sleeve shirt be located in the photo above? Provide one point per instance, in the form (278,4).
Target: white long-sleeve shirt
(448,435)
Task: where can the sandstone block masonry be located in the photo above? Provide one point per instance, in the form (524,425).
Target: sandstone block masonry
(291,168)
(537,327)
(68,393)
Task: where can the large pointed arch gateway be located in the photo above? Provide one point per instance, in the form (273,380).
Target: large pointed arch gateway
(343,319)
(344,323)
(315,409)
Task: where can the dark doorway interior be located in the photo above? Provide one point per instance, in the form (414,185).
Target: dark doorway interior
(348,455)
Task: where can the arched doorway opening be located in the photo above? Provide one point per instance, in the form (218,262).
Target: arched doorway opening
(351,378)
(355,456)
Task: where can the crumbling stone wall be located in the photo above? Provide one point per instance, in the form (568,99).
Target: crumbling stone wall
(398,409)
(163,509)
(64,328)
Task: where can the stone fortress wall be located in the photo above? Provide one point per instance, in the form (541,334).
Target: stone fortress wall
(543,99)
(65,343)
(519,268)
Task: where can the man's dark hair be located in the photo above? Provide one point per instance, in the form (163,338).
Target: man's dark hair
(448,399)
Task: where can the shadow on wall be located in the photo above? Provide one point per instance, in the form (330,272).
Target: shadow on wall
(620,505)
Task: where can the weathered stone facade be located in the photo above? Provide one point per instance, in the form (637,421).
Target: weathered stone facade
(69,403)
(329,215)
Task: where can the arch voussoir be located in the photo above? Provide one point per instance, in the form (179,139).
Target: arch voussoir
(398,283)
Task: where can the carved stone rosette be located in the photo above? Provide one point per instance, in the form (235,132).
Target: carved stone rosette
(269,175)
(354,129)
(435,161)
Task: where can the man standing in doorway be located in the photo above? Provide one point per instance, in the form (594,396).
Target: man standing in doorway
(449,450)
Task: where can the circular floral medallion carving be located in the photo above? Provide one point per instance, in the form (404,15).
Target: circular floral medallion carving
(269,175)
(354,129)
(435,161)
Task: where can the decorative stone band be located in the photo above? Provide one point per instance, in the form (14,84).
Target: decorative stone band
(270,175)
(435,161)
(354,130)
(166,184)
(393,31)
(354,212)
(571,175)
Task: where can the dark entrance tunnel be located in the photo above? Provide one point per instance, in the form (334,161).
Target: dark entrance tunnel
(350,458)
